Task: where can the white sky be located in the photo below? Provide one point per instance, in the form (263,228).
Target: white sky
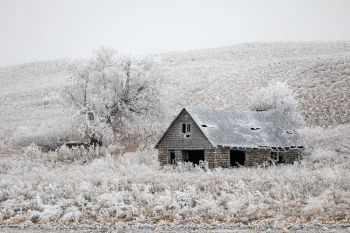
(33,30)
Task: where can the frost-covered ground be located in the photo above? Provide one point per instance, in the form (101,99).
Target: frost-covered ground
(149,229)
(84,189)
(131,189)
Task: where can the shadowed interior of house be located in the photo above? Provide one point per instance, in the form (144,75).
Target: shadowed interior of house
(193,156)
(237,158)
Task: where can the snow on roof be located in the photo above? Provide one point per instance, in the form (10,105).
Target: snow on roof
(246,129)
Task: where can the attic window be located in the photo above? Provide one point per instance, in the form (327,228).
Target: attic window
(255,128)
(289,131)
(186,128)
(183,128)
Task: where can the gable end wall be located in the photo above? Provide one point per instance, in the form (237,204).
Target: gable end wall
(174,139)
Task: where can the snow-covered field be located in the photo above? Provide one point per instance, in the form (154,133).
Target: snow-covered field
(131,189)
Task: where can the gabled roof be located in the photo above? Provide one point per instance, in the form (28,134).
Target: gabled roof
(244,129)
(183,111)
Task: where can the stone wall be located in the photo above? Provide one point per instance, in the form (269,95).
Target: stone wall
(225,157)
(211,156)
(217,157)
(163,156)
(291,156)
(178,156)
(214,157)
(257,157)
(221,157)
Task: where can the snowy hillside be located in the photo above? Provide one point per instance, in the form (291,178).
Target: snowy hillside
(227,77)
(223,78)
(29,97)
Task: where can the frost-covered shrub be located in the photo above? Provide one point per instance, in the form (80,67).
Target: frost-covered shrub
(118,94)
(72,214)
(33,152)
(47,132)
(51,213)
(64,154)
(333,139)
(278,95)
(325,156)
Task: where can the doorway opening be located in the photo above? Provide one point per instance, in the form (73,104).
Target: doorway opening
(237,158)
(172,157)
(193,156)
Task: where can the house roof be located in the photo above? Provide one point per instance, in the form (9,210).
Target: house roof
(245,129)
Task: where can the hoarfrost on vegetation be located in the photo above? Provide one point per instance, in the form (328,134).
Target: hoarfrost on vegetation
(278,95)
(113,93)
(132,188)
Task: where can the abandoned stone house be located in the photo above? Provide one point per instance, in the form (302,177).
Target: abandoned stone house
(229,138)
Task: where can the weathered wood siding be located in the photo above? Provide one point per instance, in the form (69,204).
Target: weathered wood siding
(174,139)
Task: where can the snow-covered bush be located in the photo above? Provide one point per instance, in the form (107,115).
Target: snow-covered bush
(278,95)
(335,139)
(64,154)
(46,133)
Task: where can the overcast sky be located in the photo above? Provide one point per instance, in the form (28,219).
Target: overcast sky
(34,30)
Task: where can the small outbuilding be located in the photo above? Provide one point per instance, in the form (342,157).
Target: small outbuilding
(229,138)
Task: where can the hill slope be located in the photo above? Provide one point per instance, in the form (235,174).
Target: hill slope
(227,77)
(223,78)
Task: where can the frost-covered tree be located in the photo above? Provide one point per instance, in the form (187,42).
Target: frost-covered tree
(278,95)
(111,90)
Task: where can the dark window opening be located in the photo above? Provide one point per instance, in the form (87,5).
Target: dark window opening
(237,158)
(172,157)
(183,128)
(277,157)
(193,156)
(186,128)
